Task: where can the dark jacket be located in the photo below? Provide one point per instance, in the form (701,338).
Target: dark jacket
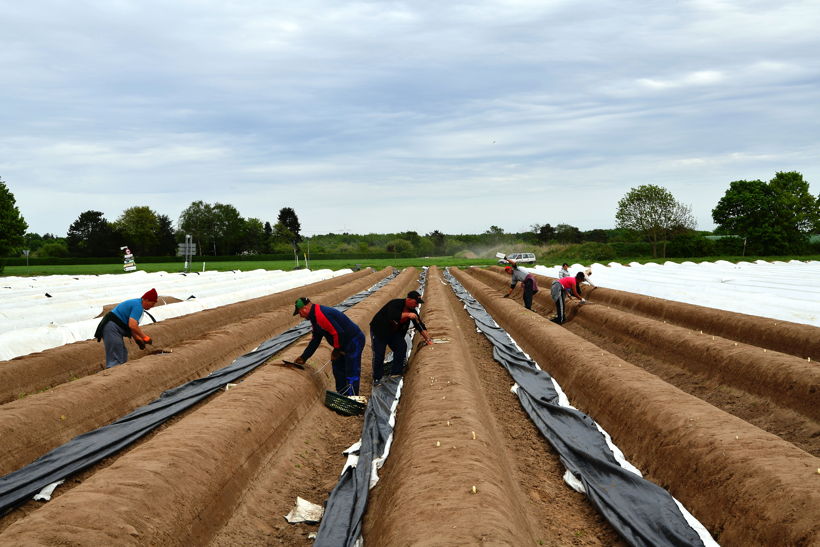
(332,325)
(111,316)
(387,320)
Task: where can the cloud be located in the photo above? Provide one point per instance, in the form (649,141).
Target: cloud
(378,115)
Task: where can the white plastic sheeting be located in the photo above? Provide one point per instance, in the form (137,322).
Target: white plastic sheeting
(37,313)
(781,290)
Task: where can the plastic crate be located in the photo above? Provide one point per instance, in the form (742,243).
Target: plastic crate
(343,405)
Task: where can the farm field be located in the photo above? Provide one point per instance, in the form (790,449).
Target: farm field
(720,409)
(336,264)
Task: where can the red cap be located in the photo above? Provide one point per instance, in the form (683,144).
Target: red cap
(507,268)
(151,295)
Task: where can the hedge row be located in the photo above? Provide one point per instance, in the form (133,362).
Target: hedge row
(21,261)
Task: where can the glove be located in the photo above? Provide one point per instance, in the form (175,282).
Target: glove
(583,301)
(148,340)
(336,354)
(299,360)
(139,342)
(507,295)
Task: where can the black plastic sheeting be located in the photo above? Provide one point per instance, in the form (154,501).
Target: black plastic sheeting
(344,510)
(640,511)
(89,448)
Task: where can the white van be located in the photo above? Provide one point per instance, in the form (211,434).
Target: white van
(520,258)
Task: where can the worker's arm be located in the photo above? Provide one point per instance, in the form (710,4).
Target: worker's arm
(136,331)
(311,348)
(421,328)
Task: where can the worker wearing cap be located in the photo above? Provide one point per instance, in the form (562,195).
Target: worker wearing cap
(346,338)
(388,328)
(527,280)
(124,322)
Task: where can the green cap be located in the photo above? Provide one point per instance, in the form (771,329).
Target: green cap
(300,303)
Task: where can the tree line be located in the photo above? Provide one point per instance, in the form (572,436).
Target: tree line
(753,217)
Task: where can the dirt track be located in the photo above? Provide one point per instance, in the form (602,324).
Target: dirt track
(740,454)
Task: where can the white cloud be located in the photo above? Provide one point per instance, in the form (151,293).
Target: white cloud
(361,113)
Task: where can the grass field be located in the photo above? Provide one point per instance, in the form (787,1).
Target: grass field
(378,263)
(244,265)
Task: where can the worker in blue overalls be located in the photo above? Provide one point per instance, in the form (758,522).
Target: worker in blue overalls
(346,338)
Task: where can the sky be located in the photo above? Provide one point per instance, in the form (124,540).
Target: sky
(392,116)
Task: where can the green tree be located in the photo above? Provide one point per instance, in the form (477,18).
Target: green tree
(268,232)
(166,238)
(35,241)
(439,241)
(139,228)
(229,227)
(53,249)
(773,218)
(197,220)
(92,235)
(654,212)
(283,238)
(12,225)
(566,233)
(494,235)
(254,236)
(597,235)
(290,222)
(544,233)
(399,246)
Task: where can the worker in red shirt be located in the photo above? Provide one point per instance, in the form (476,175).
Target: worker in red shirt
(566,286)
(346,338)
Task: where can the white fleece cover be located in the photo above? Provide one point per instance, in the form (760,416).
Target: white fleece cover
(781,290)
(30,321)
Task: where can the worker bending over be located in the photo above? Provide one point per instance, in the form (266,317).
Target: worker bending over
(562,287)
(527,281)
(389,327)
(346,338)
(124,322)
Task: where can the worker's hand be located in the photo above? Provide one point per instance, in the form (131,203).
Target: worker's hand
(299,360)
(336,354)
(507,295)
(583,301)
(148,340)
(139,342)
(429,341)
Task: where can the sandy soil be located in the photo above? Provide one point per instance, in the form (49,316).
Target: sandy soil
(740,454)
(720,466)
(34,373)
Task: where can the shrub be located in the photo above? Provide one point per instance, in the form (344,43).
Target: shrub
(591,251)
(52,250)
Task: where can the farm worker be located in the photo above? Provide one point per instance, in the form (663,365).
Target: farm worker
(560,287)
(587,281)
(527,281)
(564,271)
(124,321)
(389,327)
(346,338)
